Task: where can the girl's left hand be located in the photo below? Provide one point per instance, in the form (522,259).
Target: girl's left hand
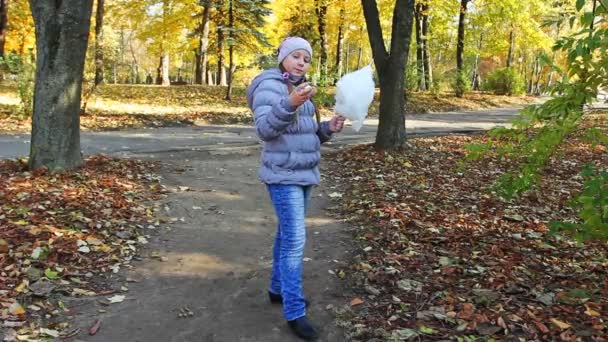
(336,123)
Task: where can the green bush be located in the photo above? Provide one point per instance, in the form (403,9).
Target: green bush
(505,82)
(592,207)
(23,70)
(324,98)
(461,83)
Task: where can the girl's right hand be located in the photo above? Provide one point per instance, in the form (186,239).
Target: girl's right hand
(301,94)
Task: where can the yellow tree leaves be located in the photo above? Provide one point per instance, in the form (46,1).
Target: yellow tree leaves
(20,37)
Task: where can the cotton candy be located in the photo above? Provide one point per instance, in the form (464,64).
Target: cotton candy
(354,94)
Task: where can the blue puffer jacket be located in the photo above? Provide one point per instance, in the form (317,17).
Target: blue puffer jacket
(292,138)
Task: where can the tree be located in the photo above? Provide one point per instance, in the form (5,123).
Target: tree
(99,42)
(391,69)
(511,49)
(460,78)
(62,33)
(419,47)
(245,17)
(3,24)
(220,46)
(339,44)
(428,70)
(321,10)
(202,55)
(230,48)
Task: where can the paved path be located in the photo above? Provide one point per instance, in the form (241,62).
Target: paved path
(212,137)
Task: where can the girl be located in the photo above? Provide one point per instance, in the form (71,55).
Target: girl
(285,121)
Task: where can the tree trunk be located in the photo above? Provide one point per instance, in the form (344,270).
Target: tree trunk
(3,24)
(230,50)
(339,47)
(550,82)
(62,33)
(321,10)
(537,73)
(476,79)
(203,42)
(360,55)
(134,63)
(209,76)
(165,69)
(460,49)
(419,47)
(346,58)
(159,72)
(198,70)
(121,58)
(99,42)
(220,50)
(391,69)
(428,71)
(511,49)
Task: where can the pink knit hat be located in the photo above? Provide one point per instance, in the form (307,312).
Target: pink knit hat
(291,44)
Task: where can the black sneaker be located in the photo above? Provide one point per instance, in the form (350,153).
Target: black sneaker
(278,299)
(302,328)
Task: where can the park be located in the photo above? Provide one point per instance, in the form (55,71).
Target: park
(472,205)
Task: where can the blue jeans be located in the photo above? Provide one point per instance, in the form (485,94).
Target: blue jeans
(290,204)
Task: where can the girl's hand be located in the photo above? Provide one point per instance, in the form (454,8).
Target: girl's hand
(301,94)
(336,123)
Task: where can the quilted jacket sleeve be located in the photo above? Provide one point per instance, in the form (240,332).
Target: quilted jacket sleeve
(272,113)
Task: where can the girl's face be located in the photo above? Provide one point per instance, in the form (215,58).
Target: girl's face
(297,63)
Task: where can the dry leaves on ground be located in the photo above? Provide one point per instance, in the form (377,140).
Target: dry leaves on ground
(440,256)
(115,107)
(59,231)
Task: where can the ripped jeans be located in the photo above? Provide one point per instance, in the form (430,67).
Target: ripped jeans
(290,204)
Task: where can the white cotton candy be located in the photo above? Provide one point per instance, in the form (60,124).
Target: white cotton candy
(354,94)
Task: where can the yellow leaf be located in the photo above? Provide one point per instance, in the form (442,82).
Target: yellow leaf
(407,164)
(22,287)
(591,312)
(16,309)
(560,324)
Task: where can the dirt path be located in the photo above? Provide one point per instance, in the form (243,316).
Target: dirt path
(218,261)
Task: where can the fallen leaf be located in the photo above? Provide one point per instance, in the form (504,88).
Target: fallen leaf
(22,287)
(356,301)
(49,332)
(404,334)
(591,312)
(543,328)
(116,299)
(560,324)
(84,249)
(51,274)
(3,246)
(427,330)
(94,241)
(36,253)
(95,328)
(501,322)
(16,309)
(467,311)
